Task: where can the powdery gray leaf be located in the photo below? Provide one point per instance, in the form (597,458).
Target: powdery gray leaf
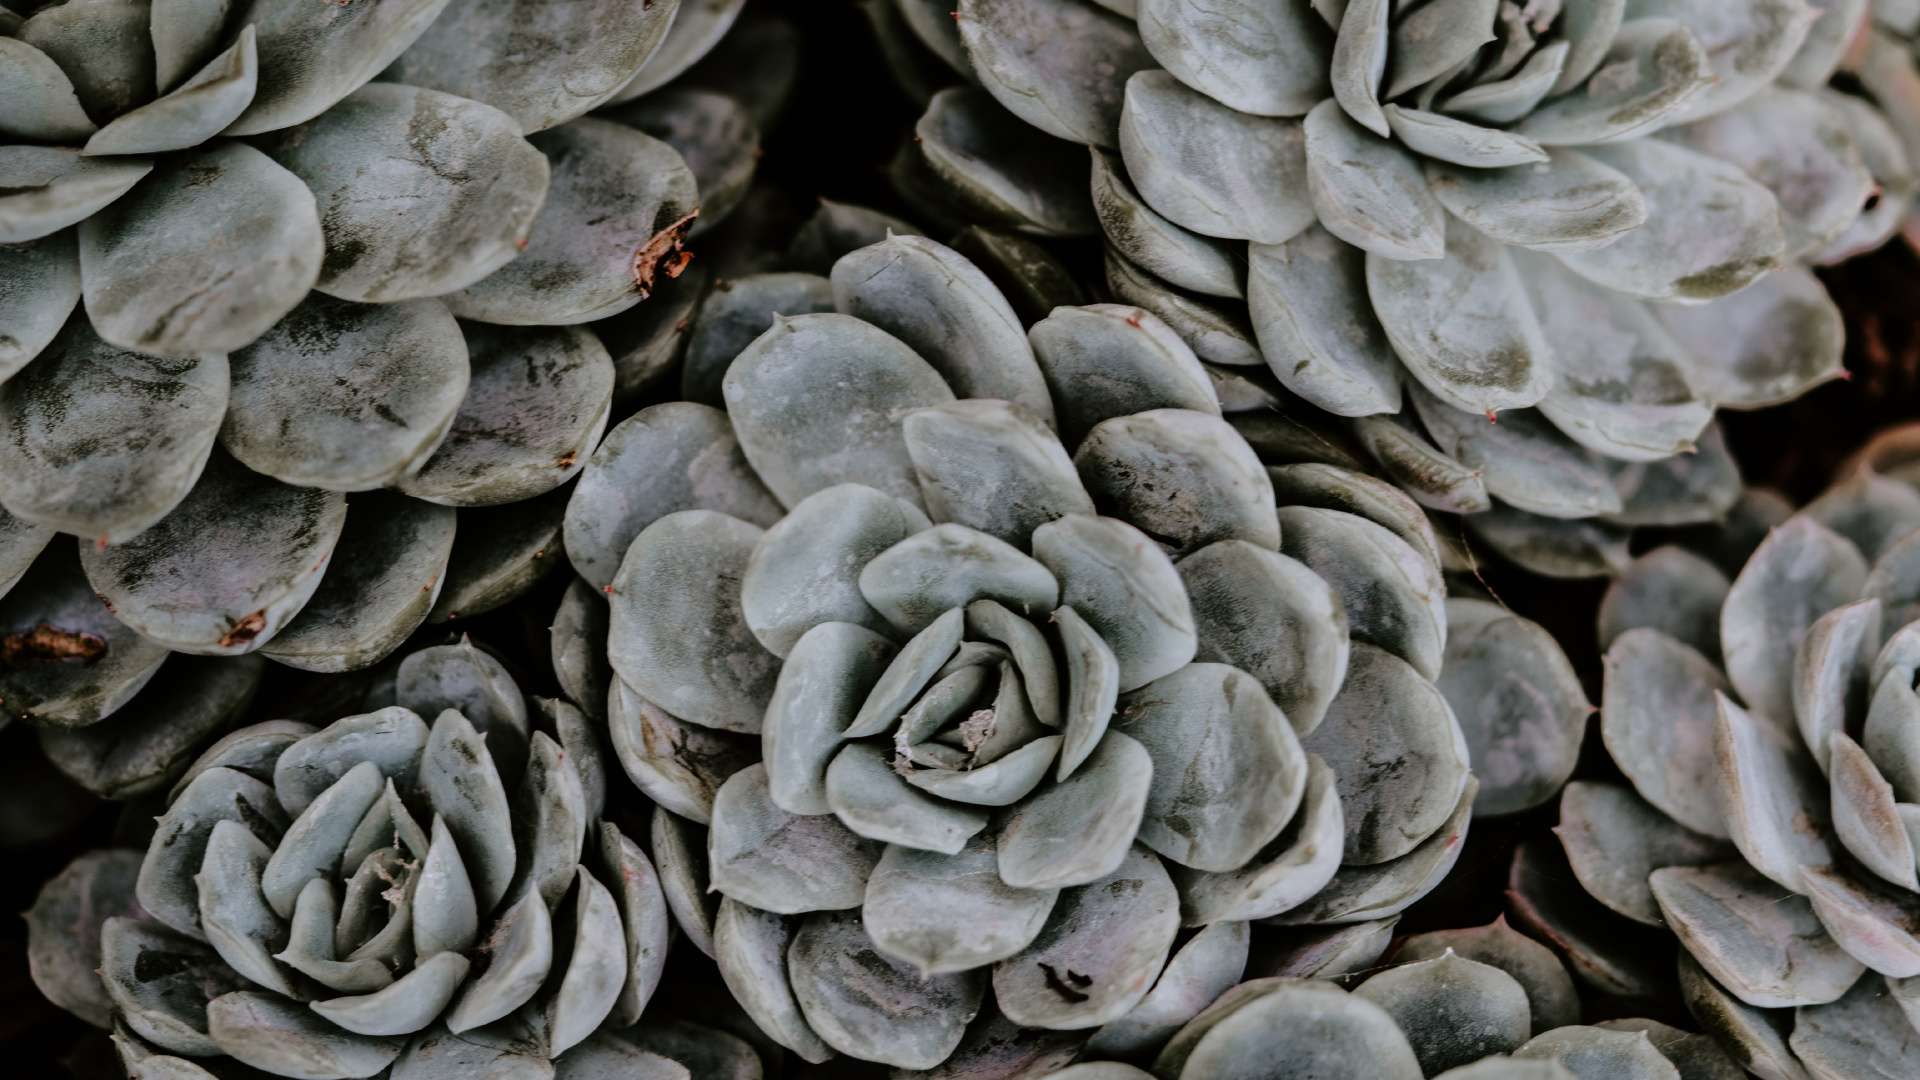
(708,1053)
(1857,1035)
(1436,41)
(994,467)
(1292,867)
(445,913)
(751,948)
(579,650)
(392,739)
(1264,59)
(1305,299)
(1432,478)
(1387,726)
(1769,790)
(1272,617)
(1158,246)
(826,679)
(1327,952)
(151,289)
(1800,572)
(871,798)
(1211,169)
(1129,462)
(463,786)
(46,106)
(604,1057)
(995,167)
(1444,138)
(1126,588)
(1710,230)
(713,134)
(1205,967)
(1549,989)
(778,861)
(1360,61)
(677,634)
(1060,65)
(169,1006)
(1217,331)
(806,569)
(1754,1038)
(311,57)
(1553,547)
(63,929)
(1462,323)
(1800,147)
(141,749)
(1869,823)
(1765,344)
(474,190)
(1369,191)
(1568,203)
(197,582)
(1032,280)
(1876,513)
(522,949)
(1453,1010)
(1313,1026)
(1886,161)
(1671,590)
(648,340)
(499,553)
(39,286)
(409,1005)
(1614,839)
(549,824)
(1100,951)
(347,396)
(193,112)
(1507,99)
(1758,940)
(618,204)
(949,566)
(1750,42)
(1107,360)
(871,1007)
(1600,1052)
(735,313)
(1871,921)
(1695,1055)
(680,853)
(103,443)
(1518,702)
(53,188)
(1657,718)
(694,31)
(907,674)
(272,1033)
(1524,461)
(21,543)
(1079,829)
(1359,894)
(949,913)
(948,312)
(1648,73)
(1393,596)
(1830,673)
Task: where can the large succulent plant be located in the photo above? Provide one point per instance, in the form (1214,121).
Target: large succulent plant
(1768,727)
(332,902)
(1589,220)
(955,704)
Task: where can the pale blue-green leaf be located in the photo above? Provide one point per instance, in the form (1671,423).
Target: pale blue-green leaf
(1513,97)
(1886,161)
(1306,298)
(1652,70)
(1457,141)
(1001,782)
(1130,462)
(1060,65)
(1274,618)
(1296,864)
(778,861)
(645,923)
(234,914)
(1568,203)
(950,566)
(826,678)
(1755,1037)
(870,798)
(49,188)
(1393,596)
(1434,39)
(1671,590)
(992,466)
(1518,701)
(1158,246)
(1859,1034)
(1093,687)
(462,784)
(1830,667)
(1454,1011)
(695,28)
(521,947)
(1079,830)
(1360,894)
(1750,43)
(1614,839)
(1430,477)
(1268,59)
(310,944)
(1767,343)
(549,823)
(1360,62)
(195,112)
(445,917)
(1125,586)
(1549,988)
(313,55)
(1553,547)
(870,1006)
(408,1005)
(392,739)
(1696,487)
(1369,191)
(713,134)
(1302,1021)
(806,569)
(39,286)
(1217,332)
(1802,571)
(43,103)
(1107,360)
(1769,792)
(733,315)
(169,1006)
(1866,819)
(279,1036)
(165,887)
(313,844)
(1657,718)
(990,620)
(139,750)
(63,929)
(1522,459)
(950,913)
(997,169)
(751,948)
(1757,939)
(596,972)
(907,674)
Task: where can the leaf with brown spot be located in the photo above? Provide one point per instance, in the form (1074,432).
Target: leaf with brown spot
(45,643)
(663,254)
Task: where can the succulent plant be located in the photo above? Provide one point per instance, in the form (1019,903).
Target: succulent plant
(954,654)
(333,902)
(1766,727)
(1587,221)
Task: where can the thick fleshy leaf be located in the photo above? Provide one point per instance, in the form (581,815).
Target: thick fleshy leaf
(751,947)
(535,405)
(1393,595)
(1098,954)
(997,168)
(1524,461)
(227,568)
(191,114)
(1126,588)
(1517,700)
(1596,1051)
(676,764)
(1710,230)
(347,396)
(102,443)
(1604,951)
(870,1006)
(1453,1010)
(1107,360)
(311,57)
(1858,1035)
(1830,673)
(872,799)
(1209,168)
(1750,42)
(1060,65)
(1614,839)
(1657,718)
(1306,299)
(664,459)
(106,45)
(778,861)
(1432,478)
(679,851)
(1291,868)
(1755,1038)
(1130,462)
(474,189)
(21,543)
(313,844)
(1387,727)
(1444,138)
(714,136)
(1462,323)
(579,651)
(151,288)
(826,679)
(819,359)
(1622,385)
(992,466)
(1264,59)
(463,786)
(50,188)
(1671,590)
(949,566)
(39,286)
(1769,791)
(948,913)
(549,823)
(45,105)
(1886,161)
(1436,40)
(1079,829)
(1871,921)
(733,315)
(1765,344)
(1272,617)
(142,748)
(521,944)
(677,634)
(806,569)
(948,312)
(499,553)
(1360,61)
(1549,989)
(693,33)
(1802,571)
(838,228)
(1218,332)
(618,204)
(1312,1025)
(168,1007)
(63,929)
(604,1057)
(1032,280)
(1801,148)
(1156,245)
(237,919)
(1568,203)
(1553,547)
(1655,68)
(644,919)
(270,1032)
(1508,99)
(1369,191)
(1359,894)
(1757,939)
(1203,968)
(1876,513)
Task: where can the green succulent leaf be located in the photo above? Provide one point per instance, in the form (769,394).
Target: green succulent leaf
(1800,572)
(1614,839)
(751,948)
(1108,360)
(1671,590)
(1650,72)
(1306,299)
(999,169)
(48,188)
(887,1012)
(1458,142)
(1294,1020)
(1360,52)
(1079,829)
(64,929)
(1218,332)
(1553,547)
(992,466)
(733,315)
(1127,590)
(1392,595)
(1273,618)
(101,442)
(1549,989)
(1866,819)
(1829,679)
(500,552)
(712,132)
(312,55)
(1264,59)
(1769,791)
(1520,705)
(1859,1031)
(692,32)
(234,914)
(950,913)
(1453,1010)
(1200,971)
(1360,894)
(1657,718)
(1369,191)
(1130,462)
(1630,1055)
(778,861)
(1430,477)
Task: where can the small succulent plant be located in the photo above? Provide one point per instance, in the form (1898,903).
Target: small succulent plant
(332,902)
(958,654)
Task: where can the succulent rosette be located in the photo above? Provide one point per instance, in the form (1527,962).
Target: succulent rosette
(1766,727)
(1588,221)
(378,893)
(957,655)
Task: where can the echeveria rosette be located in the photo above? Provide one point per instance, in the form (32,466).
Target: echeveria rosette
(1770,732)
(332,902)
(977,706)
(1558,208)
